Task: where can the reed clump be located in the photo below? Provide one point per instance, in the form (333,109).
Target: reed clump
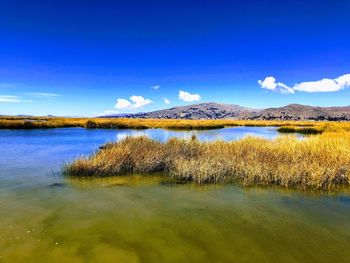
(319,162)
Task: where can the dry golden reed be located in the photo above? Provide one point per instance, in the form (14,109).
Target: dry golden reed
(317,162)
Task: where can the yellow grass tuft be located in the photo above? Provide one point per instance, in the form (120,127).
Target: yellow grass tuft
(318,162)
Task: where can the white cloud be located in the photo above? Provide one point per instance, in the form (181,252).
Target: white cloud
(344,80)
(44,95)
(284,89)
(139,101)
(323,85)
(188,97)
(11,99)
(135,102)
(155,87)
(166,101)
(270,83)
(8,98)
(123,104)
(110,112)
(17,99)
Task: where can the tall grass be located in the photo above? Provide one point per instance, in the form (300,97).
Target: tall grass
(319,162)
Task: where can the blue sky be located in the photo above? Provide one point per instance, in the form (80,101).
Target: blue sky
(82,58)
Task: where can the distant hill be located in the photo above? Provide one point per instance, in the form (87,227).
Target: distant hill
(211,110)
(302,112)
(207,110)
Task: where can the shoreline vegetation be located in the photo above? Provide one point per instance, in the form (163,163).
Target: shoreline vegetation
(303,127)
(318,162)
(322,161)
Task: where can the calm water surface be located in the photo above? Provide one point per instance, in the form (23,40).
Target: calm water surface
(45,217)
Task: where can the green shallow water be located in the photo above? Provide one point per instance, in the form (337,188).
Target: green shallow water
(152,219)
(45,217)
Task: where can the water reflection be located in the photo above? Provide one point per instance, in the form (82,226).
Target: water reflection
(226,134)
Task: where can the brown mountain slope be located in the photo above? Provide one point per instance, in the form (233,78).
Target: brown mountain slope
(210,110)
(301,112)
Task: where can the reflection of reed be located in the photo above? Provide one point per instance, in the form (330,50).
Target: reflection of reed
(122,135)
(110,181)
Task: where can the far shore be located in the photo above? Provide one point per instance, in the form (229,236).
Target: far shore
(286,126)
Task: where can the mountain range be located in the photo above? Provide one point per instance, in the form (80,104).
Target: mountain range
(211,110)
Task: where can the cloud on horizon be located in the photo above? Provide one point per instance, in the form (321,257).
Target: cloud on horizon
(106,112)
(44,95)
(11,99)
(166,101)
(135,102)
(323,85)
(188,97)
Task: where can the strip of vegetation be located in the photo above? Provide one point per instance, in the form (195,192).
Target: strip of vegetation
(100,123)
(320,162)
(302,130)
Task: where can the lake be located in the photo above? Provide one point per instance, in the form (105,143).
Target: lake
(45,217)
